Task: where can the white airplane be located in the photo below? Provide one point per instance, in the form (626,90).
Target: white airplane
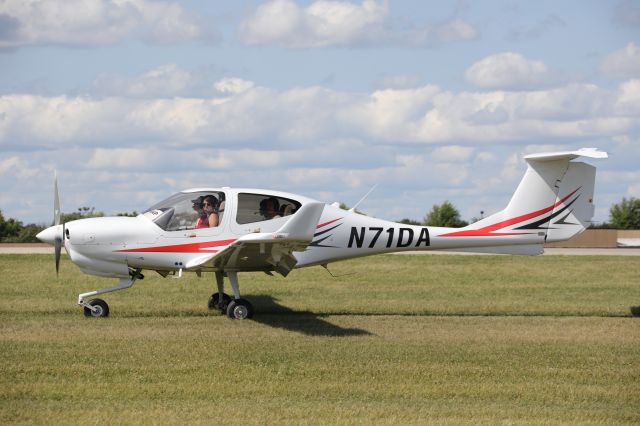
(229,230)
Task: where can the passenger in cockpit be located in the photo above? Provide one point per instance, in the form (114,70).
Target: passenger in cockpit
(210,208)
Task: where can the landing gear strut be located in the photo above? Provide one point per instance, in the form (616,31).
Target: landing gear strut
(98,307)
(219,300)
(236,308)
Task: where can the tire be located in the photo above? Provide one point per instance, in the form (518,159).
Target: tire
(216,303)
(102,311)
(240,309)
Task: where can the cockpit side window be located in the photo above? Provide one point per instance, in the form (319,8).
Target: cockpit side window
(184,211)
(260,207)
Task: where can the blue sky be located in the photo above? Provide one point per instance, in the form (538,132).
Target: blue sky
(132,100)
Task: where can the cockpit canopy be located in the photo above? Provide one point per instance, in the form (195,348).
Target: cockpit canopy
(184,210)
(181,211)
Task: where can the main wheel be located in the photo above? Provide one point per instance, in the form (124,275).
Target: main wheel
(216,303)
(240,309)
(102,309)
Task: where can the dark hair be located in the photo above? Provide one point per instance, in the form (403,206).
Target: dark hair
(197,201)
(213,201)
(272,200)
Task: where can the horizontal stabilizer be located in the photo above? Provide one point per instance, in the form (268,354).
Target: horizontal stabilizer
(567,155)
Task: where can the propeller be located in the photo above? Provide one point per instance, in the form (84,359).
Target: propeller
(57,242)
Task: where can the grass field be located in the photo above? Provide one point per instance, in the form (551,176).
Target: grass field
(401,339)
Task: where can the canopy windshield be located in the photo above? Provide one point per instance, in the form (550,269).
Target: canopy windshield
(185,210)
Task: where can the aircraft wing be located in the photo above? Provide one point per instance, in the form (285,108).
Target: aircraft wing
(265,251)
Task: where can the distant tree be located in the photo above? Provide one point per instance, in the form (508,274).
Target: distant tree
(625,214)
(343,206)
(444,215)
(127,214)
(82,213)
(601,225)
(12,231)
(27,234)
(410,222)
(9,228)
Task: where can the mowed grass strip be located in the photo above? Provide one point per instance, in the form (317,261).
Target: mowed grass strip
(378,285)
(312,357)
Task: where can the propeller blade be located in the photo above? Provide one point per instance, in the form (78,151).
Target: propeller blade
(57,244)
(56,201)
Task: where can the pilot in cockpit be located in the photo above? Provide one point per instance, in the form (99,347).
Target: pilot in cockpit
(269,208)
(202,221)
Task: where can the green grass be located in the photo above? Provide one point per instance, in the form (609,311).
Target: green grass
(405,339)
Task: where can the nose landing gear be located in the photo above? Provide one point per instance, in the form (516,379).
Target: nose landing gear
(99,308)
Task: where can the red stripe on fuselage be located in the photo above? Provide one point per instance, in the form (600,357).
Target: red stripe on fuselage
(327,223)
(487,231)
(182,248)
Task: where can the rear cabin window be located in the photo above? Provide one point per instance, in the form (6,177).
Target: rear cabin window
(260,207)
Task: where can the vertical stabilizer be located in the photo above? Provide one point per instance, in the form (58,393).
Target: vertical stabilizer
(554,199)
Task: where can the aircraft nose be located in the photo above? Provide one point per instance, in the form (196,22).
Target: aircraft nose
(49,235)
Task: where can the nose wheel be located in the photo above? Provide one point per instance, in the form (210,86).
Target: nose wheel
(100,309)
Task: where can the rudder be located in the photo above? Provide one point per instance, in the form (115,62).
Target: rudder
(574,215)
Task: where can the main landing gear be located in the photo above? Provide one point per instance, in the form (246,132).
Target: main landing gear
(236,308)
(98,307)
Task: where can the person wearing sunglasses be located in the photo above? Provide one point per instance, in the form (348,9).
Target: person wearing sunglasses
(210,209)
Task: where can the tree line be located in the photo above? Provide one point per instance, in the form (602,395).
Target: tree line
(623,215)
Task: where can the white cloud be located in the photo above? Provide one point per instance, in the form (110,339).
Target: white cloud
(326,23)
(624,62)
(322,23)
(233,85)
(509,71)
(628,101)
(49,121)
(258,116)
(95,22)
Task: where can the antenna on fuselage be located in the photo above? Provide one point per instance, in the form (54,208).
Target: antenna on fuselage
(353,209)
(326,266)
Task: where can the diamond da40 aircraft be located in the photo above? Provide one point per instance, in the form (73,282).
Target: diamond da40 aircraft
(230,230)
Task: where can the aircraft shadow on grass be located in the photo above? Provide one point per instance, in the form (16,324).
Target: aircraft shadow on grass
(270,312)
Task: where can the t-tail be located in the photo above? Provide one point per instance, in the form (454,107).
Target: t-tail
(554,202)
